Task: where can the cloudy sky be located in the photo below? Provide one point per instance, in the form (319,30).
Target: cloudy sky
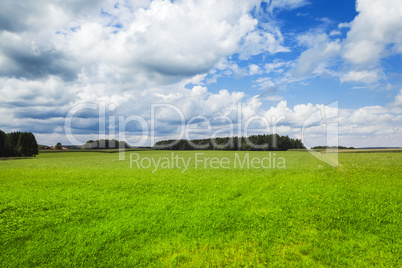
(221,61)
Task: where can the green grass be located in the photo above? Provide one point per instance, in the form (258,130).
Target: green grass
(92,210)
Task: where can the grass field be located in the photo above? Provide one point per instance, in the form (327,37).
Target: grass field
(92,210)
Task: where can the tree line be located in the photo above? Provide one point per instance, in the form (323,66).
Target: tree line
(16,144)
(104,144)
(271,142)
(332,147)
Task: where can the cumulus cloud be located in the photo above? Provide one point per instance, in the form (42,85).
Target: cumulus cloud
(360,76)
(374,34)
(361,127)
(32,60)
(321,50)
(265,83)
(278,4)
(398,99)
(57,54)
(127,55)
(377,26)
(254,69)
(276,66)
(44,117)
(147,42)
(184,38)
(27,93)
(257,42)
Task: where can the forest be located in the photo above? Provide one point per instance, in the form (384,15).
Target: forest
(18,144)
(271,142)
(104,144)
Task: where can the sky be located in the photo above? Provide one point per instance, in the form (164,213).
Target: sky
(144,71)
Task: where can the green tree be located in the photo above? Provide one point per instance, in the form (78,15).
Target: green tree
(23,147)
(2,144)
(58,146)
(33,144)
(18,144)
(12,143)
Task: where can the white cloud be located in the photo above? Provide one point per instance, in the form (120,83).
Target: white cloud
(360,76)
(375,33)
(57,54)
(362,127)
(377,25)
(273,98)
(21,92)
(45,108)
(335,33)
(257,42)
(321,50)
(265,83)
(398,99)
(276,66)
(254,69)
(291,4)
(146,43)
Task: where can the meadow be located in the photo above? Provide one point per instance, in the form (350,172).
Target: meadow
(80,209)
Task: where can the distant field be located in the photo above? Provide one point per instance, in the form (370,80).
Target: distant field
(390,150)
(80,209)
(370,150)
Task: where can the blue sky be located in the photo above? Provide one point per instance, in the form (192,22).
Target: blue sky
(317,17)
(276,58)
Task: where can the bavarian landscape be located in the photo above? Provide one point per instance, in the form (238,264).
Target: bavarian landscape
(190,133)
